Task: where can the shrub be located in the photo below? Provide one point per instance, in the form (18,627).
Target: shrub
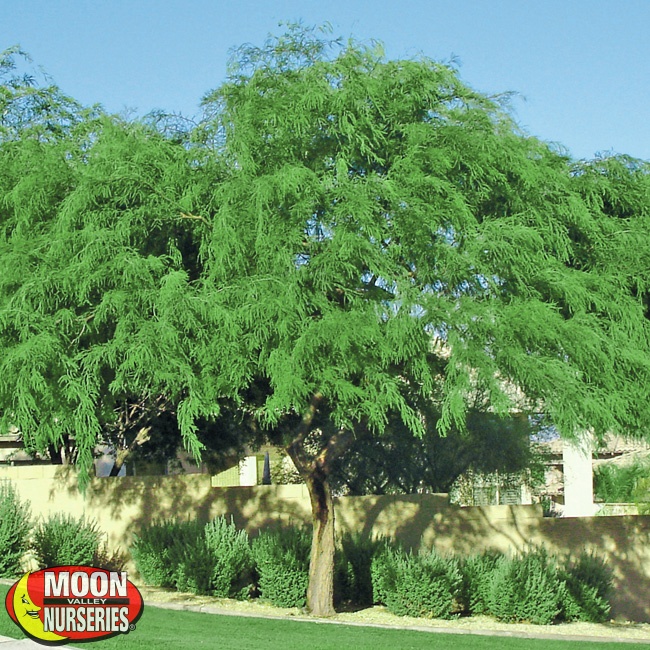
(62,539)
(641,495)
(618,484)
(282,564)
(525,588)
(213,559)
(192,563)
(15,525)
(476,572)
(382,570)
(154,549)
(424,585)
(354,568)
(110,560)
(232,559)
(588,583)
(529,587)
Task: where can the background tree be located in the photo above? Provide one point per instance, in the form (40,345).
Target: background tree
(396,462)
(92,226)
(90,235)
(147,431)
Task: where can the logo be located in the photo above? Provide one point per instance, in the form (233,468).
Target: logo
(74,603)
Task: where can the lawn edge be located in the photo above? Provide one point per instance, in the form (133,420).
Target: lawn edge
(520,634)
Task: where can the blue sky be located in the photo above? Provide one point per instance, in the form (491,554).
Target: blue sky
(581,67)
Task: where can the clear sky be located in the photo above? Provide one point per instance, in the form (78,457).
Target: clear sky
(581,67)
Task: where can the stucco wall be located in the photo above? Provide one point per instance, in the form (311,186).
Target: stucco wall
(123,505)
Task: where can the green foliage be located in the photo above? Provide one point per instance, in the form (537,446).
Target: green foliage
(282,564)
(15,526)
(619,483)
(30,105)
(477,571)
(64,539)
(232,560)
(213,559)
(192,563)
(425,585)
(155,547)
(641,496)
(382,571)
(536,587)
(110,559)
(398,462)
(526,588)
(354,580)
(96,262)
(532,586)
(588,582)
(371,232)
(368,197)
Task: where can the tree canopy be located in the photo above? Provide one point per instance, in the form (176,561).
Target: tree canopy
(341,239)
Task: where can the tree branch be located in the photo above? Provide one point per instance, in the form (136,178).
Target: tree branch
(194,216)
(296,449)
(334,448)
(122,454)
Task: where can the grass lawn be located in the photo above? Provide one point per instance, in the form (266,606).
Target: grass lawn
(161,628)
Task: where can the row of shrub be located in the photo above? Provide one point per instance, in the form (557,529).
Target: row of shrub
(56,540)
(217,559)
(532,586)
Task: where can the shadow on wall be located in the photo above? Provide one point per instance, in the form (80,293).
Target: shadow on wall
(123,505)
(625,541)
(430,521)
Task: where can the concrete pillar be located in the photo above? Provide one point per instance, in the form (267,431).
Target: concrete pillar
(248,471)
(578,478)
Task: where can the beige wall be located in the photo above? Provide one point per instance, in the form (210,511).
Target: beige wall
(123,505)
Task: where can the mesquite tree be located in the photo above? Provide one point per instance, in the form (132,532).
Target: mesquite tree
(385,234)
(89,235)
(340,240)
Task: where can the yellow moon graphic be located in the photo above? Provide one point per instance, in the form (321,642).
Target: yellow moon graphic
(27,613)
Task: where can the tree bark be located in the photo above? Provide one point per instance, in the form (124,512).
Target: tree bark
(315,472)
(320,592)
(55,454)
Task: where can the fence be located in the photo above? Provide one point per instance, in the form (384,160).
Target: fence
(123,505)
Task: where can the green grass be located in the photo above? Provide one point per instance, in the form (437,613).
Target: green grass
(161,628)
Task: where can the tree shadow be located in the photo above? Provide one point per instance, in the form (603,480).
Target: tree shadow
(624,541)
(122,506)
(428,521)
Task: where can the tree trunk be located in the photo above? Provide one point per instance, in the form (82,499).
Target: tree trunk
(320,593)
(55,455)
(314,470)
(120,459)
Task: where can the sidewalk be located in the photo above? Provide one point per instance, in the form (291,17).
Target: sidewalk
(6,643)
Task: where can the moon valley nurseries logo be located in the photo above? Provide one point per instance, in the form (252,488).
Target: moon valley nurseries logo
(74,603)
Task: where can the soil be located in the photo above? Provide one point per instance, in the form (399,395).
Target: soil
(380,616)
